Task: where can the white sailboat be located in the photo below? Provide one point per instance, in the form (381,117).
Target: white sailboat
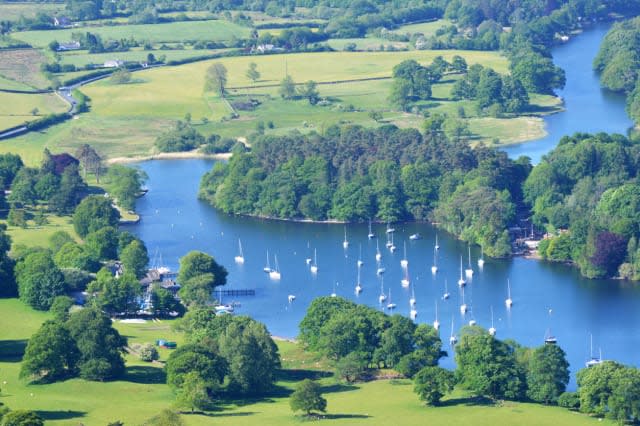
(390,305)
(389,243)
(469,271)
(461,281)
(452,337)
(314,266)
(413,312)
(434,267)
(436,323)
(221,308)
(481,259)
(549,338)
(380,270)
(358,286)
(508,302)
(593,360)
(392,248)
(382,296)
(404,262)
(492,329)
(390,230)
(463,306)
(412,300)
(360,262)
(405,280)
(446,294)
(378,254)
(291,298)
(240,257)
(437,246)
(267,268)
(345,243)
(275,273)
(414,237)
(334,294)
(371,234)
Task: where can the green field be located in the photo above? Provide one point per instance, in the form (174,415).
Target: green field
(23,66)
(428,29)
(215,30)
(368,43)
(34,235)
(13,11)
(16,108)
(141,393)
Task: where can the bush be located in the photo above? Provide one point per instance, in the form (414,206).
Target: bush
(570,400)
(148,353)
(183,138)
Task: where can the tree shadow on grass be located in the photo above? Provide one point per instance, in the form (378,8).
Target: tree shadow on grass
(338,387)
(345,416)
(145,375)
(60,415)
(12,350)
(297,375)
(468,401)
(230,414)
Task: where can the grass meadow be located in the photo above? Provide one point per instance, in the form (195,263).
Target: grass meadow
(12,11)
(141,393)
(17,108)
(23,66)
(214,30)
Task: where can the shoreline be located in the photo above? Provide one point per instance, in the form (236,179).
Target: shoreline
(187,155)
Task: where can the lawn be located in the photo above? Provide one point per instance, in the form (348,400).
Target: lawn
(18,108)
(34,235)
(428,29)
(141,393)
(214,30)
(23,66)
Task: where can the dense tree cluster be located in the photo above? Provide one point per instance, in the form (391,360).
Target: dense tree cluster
(585,194)
(412,81)
(491,91)
(619,64)
(358,337)
(84,345)
(224,355)
(198,277)
(353,174)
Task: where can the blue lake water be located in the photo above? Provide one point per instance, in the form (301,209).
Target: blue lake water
(547,298)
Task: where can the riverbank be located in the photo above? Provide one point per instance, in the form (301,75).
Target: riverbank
(168,156)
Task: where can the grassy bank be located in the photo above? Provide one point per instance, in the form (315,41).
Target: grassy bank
(141,393)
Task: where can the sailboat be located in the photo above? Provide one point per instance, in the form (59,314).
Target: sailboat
(452,338)
(390,305)
(593,361)
(308,259)
(463,306)
(404,262)
(414,237)
(334,294)
(446,294)
(382,296)
(378,254)
(437,246)
(492,329)
(392,248)
(508,302)
(267,268)
(405,280)
(240,257)
(275,273)
(314,267)
(389,243)
(412,300)
(380,269)
(358,286)
(469,271)
(221,308)
(291,298)
(549,338)
(345,243)
(434,268)
(436,323)
(461,281)
(390,230)
(371,234)
(360,262)
(481,259)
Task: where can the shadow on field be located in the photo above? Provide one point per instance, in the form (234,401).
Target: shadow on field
(231,414)
(468,401)
(60,415)
(345,416)
(145,375)
(338,387)
(12,350)
(296,375)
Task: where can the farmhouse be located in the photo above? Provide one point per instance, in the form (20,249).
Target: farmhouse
(113,63)
(62,22)
(72,45)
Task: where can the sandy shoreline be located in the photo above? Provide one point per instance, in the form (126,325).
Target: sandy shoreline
(167,156)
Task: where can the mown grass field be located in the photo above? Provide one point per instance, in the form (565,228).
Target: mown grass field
(428,29)
(23,66)
(368,43)
(17,108)
(13,11)
(214,30)
(141,393)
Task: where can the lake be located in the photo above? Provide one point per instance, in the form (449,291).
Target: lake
(548,298)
